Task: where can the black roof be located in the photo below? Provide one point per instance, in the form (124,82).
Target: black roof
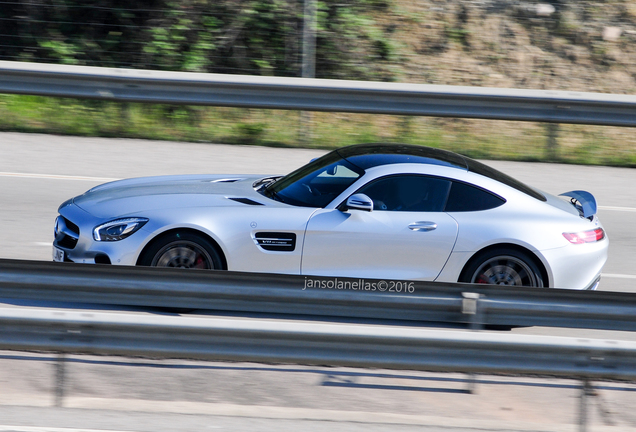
(367,156)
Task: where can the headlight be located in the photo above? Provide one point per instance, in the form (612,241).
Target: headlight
(118,229)
(56,228)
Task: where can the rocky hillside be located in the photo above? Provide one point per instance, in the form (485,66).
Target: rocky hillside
(561,44)
(565,44)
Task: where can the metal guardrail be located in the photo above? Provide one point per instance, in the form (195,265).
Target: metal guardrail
(290,294)
(267,341)
(311,343)
(129,85)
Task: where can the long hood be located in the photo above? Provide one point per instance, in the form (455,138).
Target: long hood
(138,195)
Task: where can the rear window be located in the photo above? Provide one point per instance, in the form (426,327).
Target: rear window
(485,170)
(465,198)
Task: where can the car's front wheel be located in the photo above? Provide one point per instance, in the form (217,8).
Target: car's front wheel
(182,249)
(503,267)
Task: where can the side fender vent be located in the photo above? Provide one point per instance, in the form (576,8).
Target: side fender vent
(276,241)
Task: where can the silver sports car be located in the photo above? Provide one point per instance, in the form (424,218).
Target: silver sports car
(382,211)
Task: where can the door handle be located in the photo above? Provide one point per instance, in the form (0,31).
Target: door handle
(422,226)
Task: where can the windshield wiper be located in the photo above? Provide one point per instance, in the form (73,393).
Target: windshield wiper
(264,182)
(263,190)
(278,197)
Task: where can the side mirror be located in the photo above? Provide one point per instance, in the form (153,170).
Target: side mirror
(360,202)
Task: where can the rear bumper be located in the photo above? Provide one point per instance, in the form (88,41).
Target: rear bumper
(594,285)
(577,266)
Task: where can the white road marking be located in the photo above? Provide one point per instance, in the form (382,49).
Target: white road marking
(618,276)
(622,209)
(43,243)
(48,429)
(56,177)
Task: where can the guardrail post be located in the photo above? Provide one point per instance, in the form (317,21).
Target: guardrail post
(552,145)
(59,379)
(585,392)
(305,134)
(471,307)
(124,116)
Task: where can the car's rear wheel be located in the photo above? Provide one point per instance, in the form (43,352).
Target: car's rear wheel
(503,267)
(182,249)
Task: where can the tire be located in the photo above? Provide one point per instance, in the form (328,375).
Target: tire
(503,266)
(182,249)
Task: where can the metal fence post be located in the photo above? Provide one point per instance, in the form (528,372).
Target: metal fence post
(309,64)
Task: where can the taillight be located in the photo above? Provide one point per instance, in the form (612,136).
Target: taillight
(590,236)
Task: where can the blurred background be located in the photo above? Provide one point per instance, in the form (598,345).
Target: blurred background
(559,45)
(572,45)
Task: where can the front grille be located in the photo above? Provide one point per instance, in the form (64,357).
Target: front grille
(66,233)
(102,259)
(276,241)
(66,242)
(70,225)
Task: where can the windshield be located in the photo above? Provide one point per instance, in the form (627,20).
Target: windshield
(315,184)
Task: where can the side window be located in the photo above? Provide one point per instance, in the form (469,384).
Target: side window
(464,197)
(408,193)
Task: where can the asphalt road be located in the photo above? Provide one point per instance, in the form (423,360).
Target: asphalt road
(110,393)
(38,172)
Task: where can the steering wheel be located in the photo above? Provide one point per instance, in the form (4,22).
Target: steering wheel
(314,192)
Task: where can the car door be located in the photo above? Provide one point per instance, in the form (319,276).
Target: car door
(406,236)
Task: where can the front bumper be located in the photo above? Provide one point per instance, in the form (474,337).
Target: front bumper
(74,236)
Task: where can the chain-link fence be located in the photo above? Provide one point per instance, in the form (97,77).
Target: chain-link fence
(222,36)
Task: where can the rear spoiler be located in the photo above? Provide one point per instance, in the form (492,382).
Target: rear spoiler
(584,202)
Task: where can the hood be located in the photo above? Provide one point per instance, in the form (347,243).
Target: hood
(125,197)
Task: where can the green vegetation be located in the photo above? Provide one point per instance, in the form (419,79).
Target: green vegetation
(427,41)
(261,37)
(475,138)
